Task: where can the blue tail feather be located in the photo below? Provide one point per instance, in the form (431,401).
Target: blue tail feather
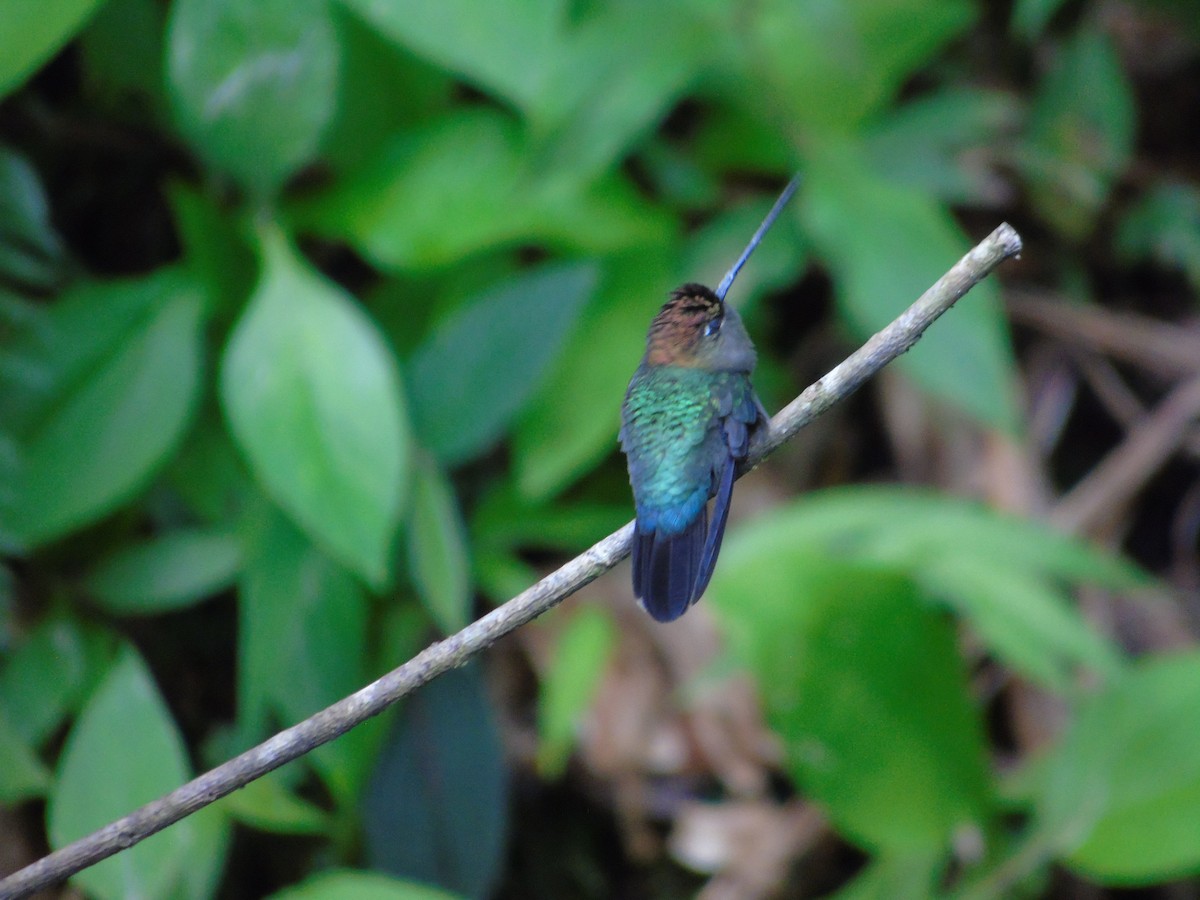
(666,568)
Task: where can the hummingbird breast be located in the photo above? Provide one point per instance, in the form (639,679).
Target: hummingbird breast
(672,436)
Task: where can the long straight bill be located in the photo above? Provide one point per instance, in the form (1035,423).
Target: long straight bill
(727,281)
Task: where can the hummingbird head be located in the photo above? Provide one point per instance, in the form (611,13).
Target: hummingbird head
(695,329)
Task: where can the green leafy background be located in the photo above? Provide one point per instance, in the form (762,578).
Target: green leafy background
(316,318)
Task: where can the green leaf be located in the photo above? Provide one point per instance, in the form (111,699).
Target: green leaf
(1122,791)
(115,378)
(897,877)
(1030,17)
(253,85)
(1027,622)
(168,572)
(313,399)
(1165,226)
(463,184)
(103,775)
(480,365)
(349,885)
(382,89)
(302,632)
(436,807)
(945,144)
(45,678)
(832,64)
(208,475)
(33,32)
(22,774)
(201,877)
(921,528)
(1079,142)
(437,549)
(433,194)
(863,681)
(597,103)
(266,804)
(886,245)
(503,519)
(31,253)
(215,249)
(1002,573)
(123,55)
(505,49)
(567,688)
(572,421)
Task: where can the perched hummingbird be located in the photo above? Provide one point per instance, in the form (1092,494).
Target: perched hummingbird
(689,415)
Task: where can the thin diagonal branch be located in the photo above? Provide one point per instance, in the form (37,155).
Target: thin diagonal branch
(455,650)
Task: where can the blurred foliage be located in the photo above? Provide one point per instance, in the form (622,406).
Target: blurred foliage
(345,356)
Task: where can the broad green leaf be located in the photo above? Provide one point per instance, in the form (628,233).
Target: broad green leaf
(831,64)
(503,518)
(208,474)
(302,641)
(104,774)
(436,807)
(1165,226)
(432,195)
(313,399)
(597,103)
(165,573)
(266,804)
(599,217)
(862,680)
(7,607)
(31,253)
(567,688)
(437,549)
(572,421)
(46,677)
(922,529)
(123,55)
(215,250)
(464,184)
(22,774)
(382,89)
(1121,793)
(740,138)
(480,365)
(503,48)
(897,877)
(351,885)
(946,143)
(201,877)
(503,574)
(1030,17)
(1079,142)
(885,246)
(113,380)
(1025,620)
(253,84)
(1003,574)
(33,32)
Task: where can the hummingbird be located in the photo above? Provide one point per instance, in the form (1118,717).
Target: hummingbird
(689,416)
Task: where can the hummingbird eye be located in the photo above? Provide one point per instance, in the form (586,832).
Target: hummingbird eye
(713,326)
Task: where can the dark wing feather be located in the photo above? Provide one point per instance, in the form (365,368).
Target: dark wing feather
(741,418)
(712,543)
(666,568)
